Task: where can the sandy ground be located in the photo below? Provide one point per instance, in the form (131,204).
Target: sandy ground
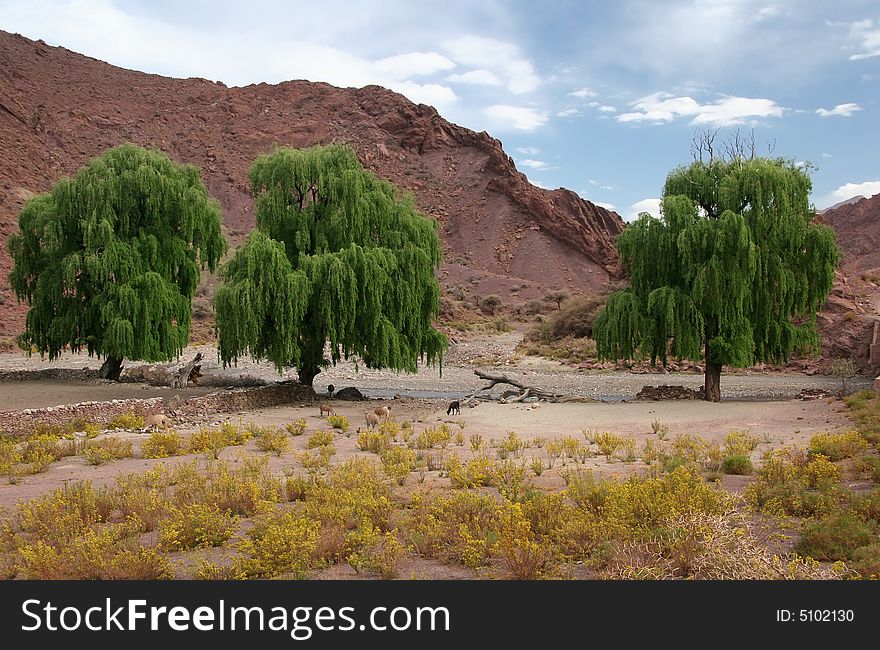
(777,423)
(763,404)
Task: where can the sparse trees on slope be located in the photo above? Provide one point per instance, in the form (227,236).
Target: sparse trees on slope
(733,272)
(109,260)
(337,256)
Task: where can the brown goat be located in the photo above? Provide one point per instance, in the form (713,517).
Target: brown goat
(326,408)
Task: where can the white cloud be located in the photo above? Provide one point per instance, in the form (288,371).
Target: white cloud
(727,111)
(607,206)
(529,151)
(607,109)
(533,164)
(867,34)
(518,118)
(412,64)
(842,110)
(583,92)
(847,191)
(502,59)
(826,155)
(101,29)
(538,184)
(479,77)
(651,206)
(433,94)
(569,112)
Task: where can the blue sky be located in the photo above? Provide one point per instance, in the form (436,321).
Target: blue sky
(602,98)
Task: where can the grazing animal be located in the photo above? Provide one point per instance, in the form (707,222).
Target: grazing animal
(383,411)
(156,422)
(326,408)
(454,408)
(371,419)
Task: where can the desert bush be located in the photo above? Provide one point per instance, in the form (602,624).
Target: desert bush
(214,439)
(206,570)
(690,447)
(865,410)
(127,421)
(296,428)
(844,371)
(574,321)
(162,444)
(702,546)
(537,466)
(9,458)
(462,528)
(521,553)
(488,304)
(836,536)
(195,525)
(790,483)
(608,443)
(739,443)
(837,446)
(279,544)
(272,439)
(99,452)
(320,439)
(866,561)
(369,549)
(431,438)
(510,477)
(318,460)
(512,444)
(338,422)
(737,464)
(372,440)
(349,493)
(398,462)
(477,471)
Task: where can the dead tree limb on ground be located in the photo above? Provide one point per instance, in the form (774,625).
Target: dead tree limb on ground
(524,390)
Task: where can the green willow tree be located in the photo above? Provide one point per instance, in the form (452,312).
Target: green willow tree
(733,272)
(337,256)
(109,260)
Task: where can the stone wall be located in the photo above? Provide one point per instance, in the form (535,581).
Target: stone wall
(232,401)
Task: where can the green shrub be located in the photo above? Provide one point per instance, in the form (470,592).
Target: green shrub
(737,464)
(835,537)
(866,561)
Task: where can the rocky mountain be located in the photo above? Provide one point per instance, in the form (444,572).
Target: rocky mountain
(857,224)
(501,234)
(840,204)
(847,324)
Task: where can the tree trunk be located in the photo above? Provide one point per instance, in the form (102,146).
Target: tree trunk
(713,382)
(111,368)
(182,378)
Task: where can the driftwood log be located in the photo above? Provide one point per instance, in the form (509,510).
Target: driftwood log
(519,395)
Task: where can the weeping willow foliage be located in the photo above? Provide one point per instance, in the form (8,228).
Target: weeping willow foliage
(337,256)
(109,260)
(734,271)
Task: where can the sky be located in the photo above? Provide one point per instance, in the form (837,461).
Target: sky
(603,98)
